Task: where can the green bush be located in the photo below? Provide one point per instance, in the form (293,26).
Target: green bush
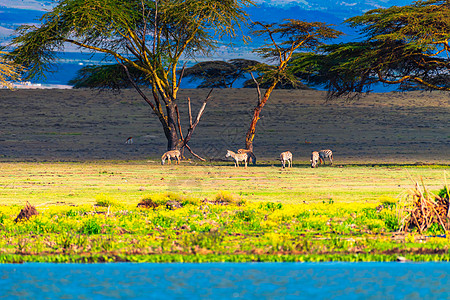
(444,193)
(228,198)
(270,206)
(91,226)
(106,201)
(153,201)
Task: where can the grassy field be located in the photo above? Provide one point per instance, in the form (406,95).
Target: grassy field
(63,151)
(88,212)
(80,183)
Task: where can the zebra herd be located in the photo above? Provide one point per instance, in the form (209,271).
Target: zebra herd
(317,157)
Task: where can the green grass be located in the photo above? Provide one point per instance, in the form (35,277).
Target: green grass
(128,182)
(88,213)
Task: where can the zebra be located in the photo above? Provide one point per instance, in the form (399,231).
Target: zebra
(323,154)
(249,154)
(286,156)
(314,159)
(171,154)
(237,157)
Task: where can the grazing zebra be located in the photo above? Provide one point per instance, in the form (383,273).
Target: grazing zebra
(323,154)
(237,157)
(286,157)
(171,154)
(314,159)
(249,154)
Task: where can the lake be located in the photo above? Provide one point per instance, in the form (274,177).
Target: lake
(225,281)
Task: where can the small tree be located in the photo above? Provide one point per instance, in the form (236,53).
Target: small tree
(9,71)
(112,77)
(219,74)
(407,46)
(284,40)
(150,36)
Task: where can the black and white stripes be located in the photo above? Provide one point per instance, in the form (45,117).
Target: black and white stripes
(319,157)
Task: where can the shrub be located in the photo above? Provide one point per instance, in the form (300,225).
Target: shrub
(388,202)
(91,226)
(444,193)
(225,197)
(154,201)
(206,240)
(147,203)
(270,206)
(106,201)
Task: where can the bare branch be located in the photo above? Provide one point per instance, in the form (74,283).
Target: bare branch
(190,111)
(192,152)
(136,86)
(179,122)
(181,75)
(197,120)
(257,88)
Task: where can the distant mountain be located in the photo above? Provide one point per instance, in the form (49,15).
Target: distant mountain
(14,13)
(341,9)
(11,18)
(273,14)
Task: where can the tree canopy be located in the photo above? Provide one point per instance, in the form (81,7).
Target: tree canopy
(219,74)
(149,36)
(284,41)
(9,71)
(111,76)
(407,45)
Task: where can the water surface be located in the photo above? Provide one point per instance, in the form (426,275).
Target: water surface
(226,281)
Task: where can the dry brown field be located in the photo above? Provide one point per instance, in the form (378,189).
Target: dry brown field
(77,125)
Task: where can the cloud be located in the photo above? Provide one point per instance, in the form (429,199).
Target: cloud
(27,4)
(5,31)
(282,2)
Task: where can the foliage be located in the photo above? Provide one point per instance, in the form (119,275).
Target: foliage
(405,45)
(228,198)
(444,193)
(219,74)
(284,40)
(426,211)
(198,232)
(106,201)
(142,36)
(107,77)
(9,71)
(163,199)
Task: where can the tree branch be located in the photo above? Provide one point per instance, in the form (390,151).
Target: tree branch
(257,88)
(190,112)
(179,122)
(197,120)
(181,75)
(192,152)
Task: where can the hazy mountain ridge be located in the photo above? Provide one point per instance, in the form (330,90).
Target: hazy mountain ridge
(328,11)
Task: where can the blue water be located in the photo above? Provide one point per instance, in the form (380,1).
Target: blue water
(226,281)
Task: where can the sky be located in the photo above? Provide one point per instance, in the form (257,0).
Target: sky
(16,12)
(311,4)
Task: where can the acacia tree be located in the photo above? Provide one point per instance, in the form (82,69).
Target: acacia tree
(9,71)
(111,76)
(407,45)
(150,36)
(284,41)
(220,74)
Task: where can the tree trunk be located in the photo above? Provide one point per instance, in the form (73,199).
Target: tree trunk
(171,133)
(169,124)
(256,112)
